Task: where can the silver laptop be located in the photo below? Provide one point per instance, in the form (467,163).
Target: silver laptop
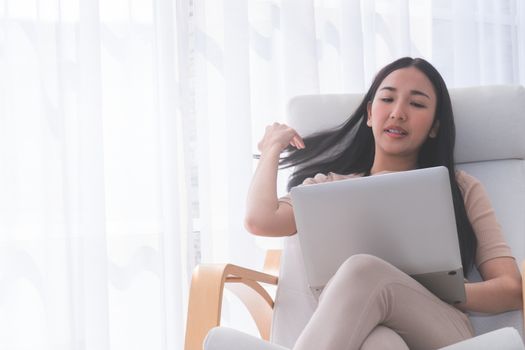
(406,218)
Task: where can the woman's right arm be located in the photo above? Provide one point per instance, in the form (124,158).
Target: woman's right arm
(265,215)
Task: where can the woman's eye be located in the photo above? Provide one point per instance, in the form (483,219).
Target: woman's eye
(387,99)
(417,105)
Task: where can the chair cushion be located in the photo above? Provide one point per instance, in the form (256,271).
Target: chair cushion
(294,302)
(504,181)
(490,145)
(490,123)
(223,338)
(501,339)
(490,120)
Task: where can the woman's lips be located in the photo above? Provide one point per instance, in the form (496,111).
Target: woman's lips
(395,133)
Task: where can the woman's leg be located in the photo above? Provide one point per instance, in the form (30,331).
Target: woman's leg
(366,292)
(383,338)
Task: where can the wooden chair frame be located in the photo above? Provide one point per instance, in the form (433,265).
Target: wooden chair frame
(207,286)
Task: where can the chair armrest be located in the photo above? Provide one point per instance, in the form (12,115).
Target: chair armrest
(205,299)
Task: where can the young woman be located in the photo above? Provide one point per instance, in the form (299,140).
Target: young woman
(404,122)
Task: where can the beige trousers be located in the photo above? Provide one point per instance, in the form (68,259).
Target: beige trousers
(370,304)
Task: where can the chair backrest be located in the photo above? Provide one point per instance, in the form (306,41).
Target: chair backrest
(490,145)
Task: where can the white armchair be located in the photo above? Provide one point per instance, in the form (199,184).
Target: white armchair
(490,145)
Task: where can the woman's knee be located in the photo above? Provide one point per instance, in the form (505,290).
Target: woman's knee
(362,272)
(359,265)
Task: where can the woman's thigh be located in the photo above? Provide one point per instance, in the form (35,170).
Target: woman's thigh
(367,291)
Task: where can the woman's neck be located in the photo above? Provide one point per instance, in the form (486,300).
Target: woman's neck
(383,165)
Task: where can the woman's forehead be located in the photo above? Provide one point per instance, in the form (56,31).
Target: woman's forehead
(406,79)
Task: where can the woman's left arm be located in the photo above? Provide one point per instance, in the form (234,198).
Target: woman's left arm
(500,290)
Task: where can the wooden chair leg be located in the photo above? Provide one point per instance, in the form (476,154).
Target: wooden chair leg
(204,307)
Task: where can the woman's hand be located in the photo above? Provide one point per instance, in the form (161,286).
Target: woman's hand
(278,136)
(500,289)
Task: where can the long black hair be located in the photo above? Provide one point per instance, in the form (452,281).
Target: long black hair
(350,148)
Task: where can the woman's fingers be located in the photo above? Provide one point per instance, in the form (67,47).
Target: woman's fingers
(298,141)
(295,143)
(302,142)
(282,134)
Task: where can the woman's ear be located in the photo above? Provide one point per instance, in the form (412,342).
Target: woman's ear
(369,114)
(434,130)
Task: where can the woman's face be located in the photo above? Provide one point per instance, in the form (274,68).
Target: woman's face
(401,114)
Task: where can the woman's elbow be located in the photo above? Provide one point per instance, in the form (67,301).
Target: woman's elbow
(518,292)
(251,225)
(255,226)
(514,295)
(263,227)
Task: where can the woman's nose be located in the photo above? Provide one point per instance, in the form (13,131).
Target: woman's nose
(398,112)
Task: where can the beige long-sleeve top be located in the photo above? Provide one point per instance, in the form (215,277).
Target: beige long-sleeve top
(491,243)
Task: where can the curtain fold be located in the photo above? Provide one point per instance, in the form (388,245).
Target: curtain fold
(127,130)
(87,235)
(173,174)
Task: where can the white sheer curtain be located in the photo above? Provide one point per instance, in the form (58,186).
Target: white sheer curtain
(95,244)
(126,134)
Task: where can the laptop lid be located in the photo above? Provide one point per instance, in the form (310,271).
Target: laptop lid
(405,218)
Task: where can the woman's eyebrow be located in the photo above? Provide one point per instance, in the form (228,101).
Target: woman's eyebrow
(412,92)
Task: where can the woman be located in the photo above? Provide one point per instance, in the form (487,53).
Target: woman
(404,122)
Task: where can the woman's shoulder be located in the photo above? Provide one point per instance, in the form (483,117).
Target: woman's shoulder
(470,187)
(465,180)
